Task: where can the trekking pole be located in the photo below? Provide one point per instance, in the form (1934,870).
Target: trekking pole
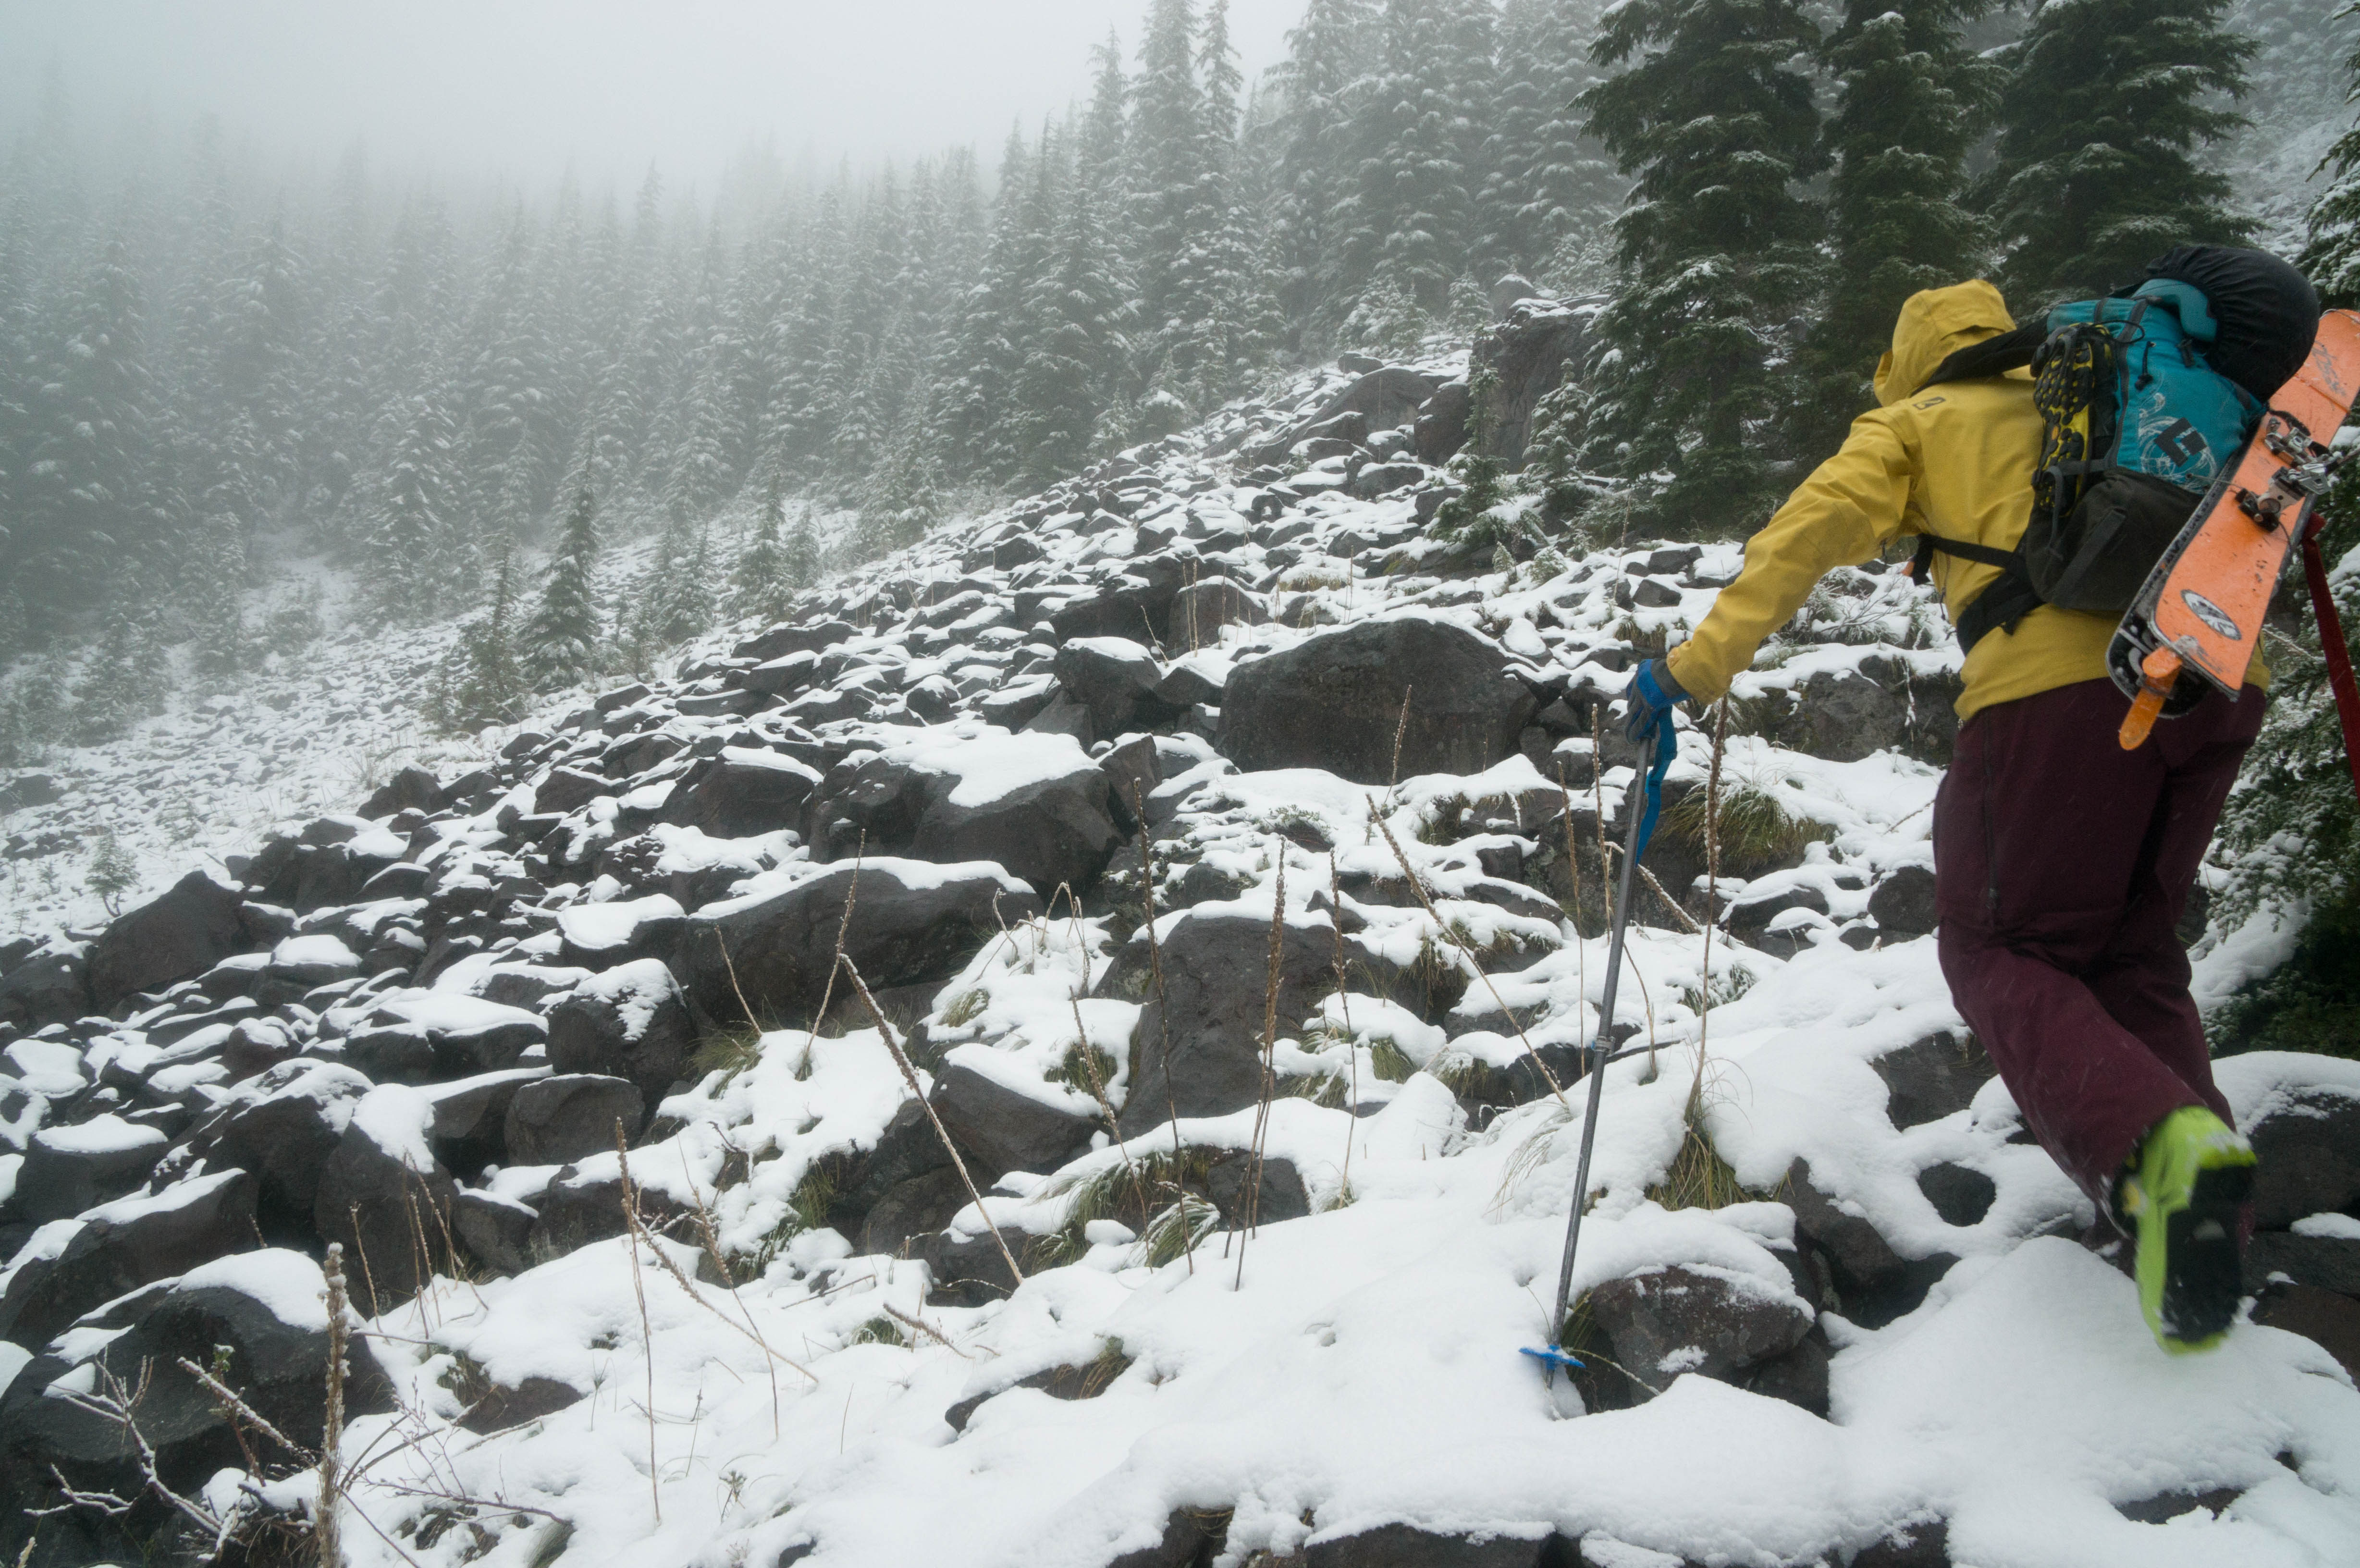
(1601,1045)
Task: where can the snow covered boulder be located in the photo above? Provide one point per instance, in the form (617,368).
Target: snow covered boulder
(67,1169)
(1334,701)
(1209,1016)
(285,1135)
(1903,904)
(631,1022)
(1406,1546)
(1115,679)
(742,792)
(266,1310)
(1002,1122)
(600,936)
(567,790)
(411,789)
(570,1117)
(1035,805)
(2302,1113)
(913,923)
(52,985)
(1665,1321)
(303,963)
(1932,1078)
(470,1127)
(380,1188)
(72,1265)
(177,935)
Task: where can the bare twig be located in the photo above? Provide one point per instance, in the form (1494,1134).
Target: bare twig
(929,1330)
(1344,997)
(1400,733)
(1250,1196)
(909,1073)
(253,1417)
(1711,885)
(711,1237)
(1417,885)
(1163,1018)
(647,1330)
(330,1548)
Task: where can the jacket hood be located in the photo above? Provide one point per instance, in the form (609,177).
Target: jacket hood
(1935,323)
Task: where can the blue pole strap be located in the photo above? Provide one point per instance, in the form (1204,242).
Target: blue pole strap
(1666,747)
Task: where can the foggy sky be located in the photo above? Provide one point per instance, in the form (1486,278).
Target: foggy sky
(526,88)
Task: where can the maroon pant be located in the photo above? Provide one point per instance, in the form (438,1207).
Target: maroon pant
(2062,863)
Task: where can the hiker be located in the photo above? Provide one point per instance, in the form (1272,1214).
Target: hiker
(2062,862)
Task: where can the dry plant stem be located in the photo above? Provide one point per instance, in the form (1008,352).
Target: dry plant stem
(712,1239)
(646,1331)
(910,1075)
(640,1232)
(1400,733)
(1250,1205)
(1712,882)
(1106,1106)
(253,1417)
(1156,969)
(1417,885)
(368,1275)
(324,1511)
(1352,1045)
(929,1330)
(843,929)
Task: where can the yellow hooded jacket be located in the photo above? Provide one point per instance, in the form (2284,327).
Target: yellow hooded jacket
(1955,461)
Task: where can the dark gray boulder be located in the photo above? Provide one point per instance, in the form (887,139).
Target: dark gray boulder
(177,935)
(1674,1320)
(912,923)
(1406,1546)
(470,1126)
(285,1137)
(496,1231)
(2308,1142)
(384,1196)
(124,1245)
(1114,679)
(1528,354)
(1279,1195)
(49,987)
(1334,701)
(1441,428)
(2328,1262)
(263,1316)
(999,1128)
(601,936)
(1932,1078)
(1903,904)
(411,789)
(1959,1193)
(743,793)
(1200,610)
(1052,824)
(69,1168)
(570,1118)
(1197,1049)
(630,1022)
(567,790)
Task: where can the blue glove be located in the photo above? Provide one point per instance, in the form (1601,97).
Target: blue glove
(1648,700)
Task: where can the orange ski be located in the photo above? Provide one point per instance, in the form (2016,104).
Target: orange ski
(2200,610)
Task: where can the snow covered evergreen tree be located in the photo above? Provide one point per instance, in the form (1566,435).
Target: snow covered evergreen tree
(565,642)
(2333,256)
(1716,123)
(1911,99)
(2107,106)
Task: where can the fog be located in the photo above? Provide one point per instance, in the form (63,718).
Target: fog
(527,88)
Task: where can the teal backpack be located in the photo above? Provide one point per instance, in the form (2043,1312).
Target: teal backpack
(2136,425)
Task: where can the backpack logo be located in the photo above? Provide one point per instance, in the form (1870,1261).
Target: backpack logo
(2180,441)
(2211,614)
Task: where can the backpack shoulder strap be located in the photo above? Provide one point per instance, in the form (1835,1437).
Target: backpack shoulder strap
(2000,605)
(1992,356)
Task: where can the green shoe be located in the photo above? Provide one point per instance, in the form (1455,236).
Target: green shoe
(2192,1176)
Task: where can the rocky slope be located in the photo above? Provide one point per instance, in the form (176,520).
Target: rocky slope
(1060,1054)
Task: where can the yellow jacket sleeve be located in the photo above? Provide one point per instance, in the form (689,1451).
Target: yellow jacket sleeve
(1850,507)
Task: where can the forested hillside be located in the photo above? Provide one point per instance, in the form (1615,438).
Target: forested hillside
(214,359)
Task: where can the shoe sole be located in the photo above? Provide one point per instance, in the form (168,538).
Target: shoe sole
(2203,1277)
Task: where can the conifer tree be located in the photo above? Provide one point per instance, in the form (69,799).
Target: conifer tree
(1328,57)
(1718,129)
(802,558)
(2332,257)
(480,681)
(2107,106)
(761,590)
(564,643)
(1548,180)
(1911,99)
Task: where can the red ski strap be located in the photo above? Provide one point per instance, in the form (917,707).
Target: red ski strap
(2331,644)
